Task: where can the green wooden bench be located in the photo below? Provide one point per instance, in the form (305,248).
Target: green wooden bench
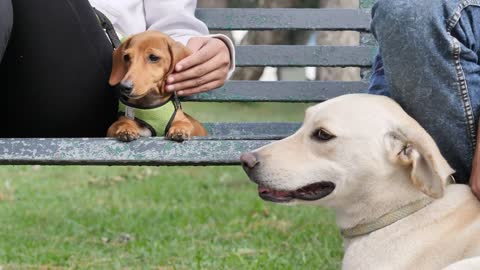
(226,141)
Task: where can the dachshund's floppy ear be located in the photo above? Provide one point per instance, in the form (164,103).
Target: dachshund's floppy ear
(177,51)
(119,67)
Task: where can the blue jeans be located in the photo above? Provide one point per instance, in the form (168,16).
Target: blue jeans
(428,62)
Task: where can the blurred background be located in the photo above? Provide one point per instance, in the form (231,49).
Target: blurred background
(291,38)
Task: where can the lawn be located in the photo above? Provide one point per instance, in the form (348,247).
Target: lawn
(160,217)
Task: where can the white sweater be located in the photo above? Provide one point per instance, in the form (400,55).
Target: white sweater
(175,18)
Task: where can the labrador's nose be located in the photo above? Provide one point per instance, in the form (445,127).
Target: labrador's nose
(249,161)
(127,87)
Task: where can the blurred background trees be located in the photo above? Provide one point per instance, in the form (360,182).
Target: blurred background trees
(293,38)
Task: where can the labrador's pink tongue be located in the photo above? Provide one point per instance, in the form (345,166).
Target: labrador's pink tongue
(277,193)
(281,193)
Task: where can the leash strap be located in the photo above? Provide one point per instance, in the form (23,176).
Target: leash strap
(176,101)
(108,27)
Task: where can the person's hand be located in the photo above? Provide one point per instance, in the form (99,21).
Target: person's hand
(207,68)
(475,175)
(475,184)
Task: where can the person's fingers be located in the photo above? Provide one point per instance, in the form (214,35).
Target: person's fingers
(195,43)
(476,191)
(214,75)
(216,63)
(475,182)
(204,70)
(202,52)
(475,188)
(200,89)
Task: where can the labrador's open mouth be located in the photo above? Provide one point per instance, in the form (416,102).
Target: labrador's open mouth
(311,192)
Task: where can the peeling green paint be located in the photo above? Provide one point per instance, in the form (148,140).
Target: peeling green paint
(146,151)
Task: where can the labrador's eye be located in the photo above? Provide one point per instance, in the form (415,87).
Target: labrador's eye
(126,58)
(322,135)
(153,58)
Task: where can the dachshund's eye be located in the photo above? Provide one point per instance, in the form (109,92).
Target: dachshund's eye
(153,58)
(322,135)
(126,58)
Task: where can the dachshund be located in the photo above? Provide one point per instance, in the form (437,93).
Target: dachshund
(141,65)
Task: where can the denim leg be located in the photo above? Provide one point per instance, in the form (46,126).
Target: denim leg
(6,21)
(430,55)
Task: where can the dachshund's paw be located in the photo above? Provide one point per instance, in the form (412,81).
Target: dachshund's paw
(178,134)
(127,135)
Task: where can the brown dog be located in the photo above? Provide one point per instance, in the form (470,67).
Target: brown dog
(141,65)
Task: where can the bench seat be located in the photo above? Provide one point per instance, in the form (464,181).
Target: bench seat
(226,141)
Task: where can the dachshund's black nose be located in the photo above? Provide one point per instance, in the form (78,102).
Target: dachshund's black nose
(127,87)
(249,161)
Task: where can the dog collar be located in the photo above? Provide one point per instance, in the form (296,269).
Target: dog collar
(387,219)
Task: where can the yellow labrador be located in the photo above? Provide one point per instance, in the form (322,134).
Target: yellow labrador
(391,189)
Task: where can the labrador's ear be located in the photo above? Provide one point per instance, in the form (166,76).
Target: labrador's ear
(177,51)
(119,67)
(411,146)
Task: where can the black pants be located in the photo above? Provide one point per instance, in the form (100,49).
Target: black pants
(54,71)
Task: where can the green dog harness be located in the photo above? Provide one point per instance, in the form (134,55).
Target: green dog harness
(158,119)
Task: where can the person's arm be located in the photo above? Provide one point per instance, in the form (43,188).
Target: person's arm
(212,61)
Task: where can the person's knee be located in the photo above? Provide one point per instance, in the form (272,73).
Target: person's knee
(6,24)
(393,13)
(404,17)
(394,16)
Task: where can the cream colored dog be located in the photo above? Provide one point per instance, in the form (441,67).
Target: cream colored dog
(364,157)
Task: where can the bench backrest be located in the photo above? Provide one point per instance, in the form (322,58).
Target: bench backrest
(226,140)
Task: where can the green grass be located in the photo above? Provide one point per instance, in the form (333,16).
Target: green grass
(159,217)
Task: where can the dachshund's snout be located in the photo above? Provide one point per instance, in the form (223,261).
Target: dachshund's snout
(127,87)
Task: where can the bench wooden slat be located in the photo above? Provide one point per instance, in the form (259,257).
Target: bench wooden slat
(103,151)
(279,91)
(251,131)
(285,18)
(226,141)
(298,56)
